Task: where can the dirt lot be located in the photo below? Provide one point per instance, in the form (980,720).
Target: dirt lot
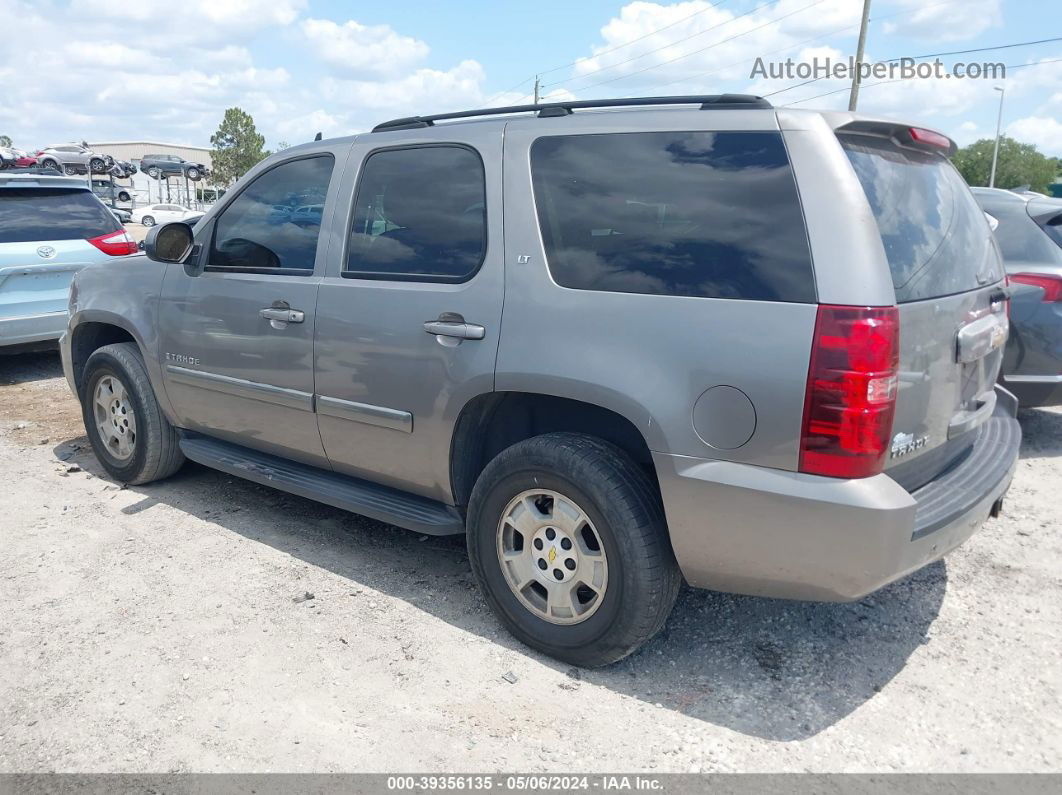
(165,628)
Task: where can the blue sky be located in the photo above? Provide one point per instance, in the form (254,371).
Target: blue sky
(163,71)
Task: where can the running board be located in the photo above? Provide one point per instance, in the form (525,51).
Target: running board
(340,491)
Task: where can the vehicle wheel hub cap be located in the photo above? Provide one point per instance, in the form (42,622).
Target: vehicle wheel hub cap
(115,420)
(552,557)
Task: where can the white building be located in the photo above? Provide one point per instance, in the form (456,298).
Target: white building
(146,190)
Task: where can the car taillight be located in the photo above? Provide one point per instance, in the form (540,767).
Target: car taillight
(851,391)
(117,244)
(1051,284)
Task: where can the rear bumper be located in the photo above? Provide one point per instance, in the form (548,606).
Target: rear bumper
(32,328)
(1035,390)
(766,532)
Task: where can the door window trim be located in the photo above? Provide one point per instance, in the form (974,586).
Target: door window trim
(236,195)
(413,277)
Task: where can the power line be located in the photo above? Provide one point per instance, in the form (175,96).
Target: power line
(640,38)
(789,47)
(669,44)
(900,80)
(702,49)
(928,55)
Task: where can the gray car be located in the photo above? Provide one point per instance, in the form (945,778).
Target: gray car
(707,339)
(74,159)
(1029,233)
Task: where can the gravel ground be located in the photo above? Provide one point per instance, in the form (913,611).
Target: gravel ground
(170,628)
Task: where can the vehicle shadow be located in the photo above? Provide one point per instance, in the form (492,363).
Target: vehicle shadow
(37,363)
(1041,431)
(768,668)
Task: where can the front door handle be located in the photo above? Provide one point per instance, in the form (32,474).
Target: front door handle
(279,315)
(456,329)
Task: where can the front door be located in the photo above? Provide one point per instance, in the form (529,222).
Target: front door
(237,340)
(408,319)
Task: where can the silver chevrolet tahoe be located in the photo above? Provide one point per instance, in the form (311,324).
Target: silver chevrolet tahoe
(617,344)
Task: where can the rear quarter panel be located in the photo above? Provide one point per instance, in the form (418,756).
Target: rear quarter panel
(648,357)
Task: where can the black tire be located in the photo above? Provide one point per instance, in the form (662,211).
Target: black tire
(97,165)
(148,220)
(193,174)
(156,452)
(70,171)
(624,507)
(52,164)
(153,172)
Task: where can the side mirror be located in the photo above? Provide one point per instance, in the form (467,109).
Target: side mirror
(169,242)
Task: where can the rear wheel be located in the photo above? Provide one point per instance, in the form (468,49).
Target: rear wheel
(69,170)
(148,220)
(97,166)
(567,540)
(193,174)
(153,172)
(130,435)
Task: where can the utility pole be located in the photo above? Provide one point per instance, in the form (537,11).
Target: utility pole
(536,89)
(999,124)
(853,98)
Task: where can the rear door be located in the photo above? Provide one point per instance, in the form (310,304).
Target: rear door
(947,275)
(409,317)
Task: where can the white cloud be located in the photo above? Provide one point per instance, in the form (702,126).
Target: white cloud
(167,71)
(652,44)
(1044,132)
(363,50)
(935,21)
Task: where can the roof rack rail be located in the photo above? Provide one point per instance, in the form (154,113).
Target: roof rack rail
(553,109)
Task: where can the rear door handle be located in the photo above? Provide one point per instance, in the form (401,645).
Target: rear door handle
(277,314)
(456,329)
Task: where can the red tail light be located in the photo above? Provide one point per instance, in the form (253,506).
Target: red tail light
(1051,284)
(851,391)
(117,244)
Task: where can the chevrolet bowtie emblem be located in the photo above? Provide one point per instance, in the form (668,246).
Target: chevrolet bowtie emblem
(552,554)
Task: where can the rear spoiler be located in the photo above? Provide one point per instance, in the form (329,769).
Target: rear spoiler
(902,135)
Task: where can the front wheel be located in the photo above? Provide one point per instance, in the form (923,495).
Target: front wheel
(147,220)
(97,165)
(567,539)
(153,172)
(193,174)
(130,435)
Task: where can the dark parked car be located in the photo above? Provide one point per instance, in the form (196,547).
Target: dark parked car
(123,169)
(1029,232)
(157,166)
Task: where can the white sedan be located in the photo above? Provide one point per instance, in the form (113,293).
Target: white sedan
(163,214)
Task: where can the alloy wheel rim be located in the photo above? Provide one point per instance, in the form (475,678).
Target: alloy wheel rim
(552,557)
(112,409)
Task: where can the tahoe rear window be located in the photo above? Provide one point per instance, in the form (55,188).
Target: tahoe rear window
(31,214)
(704,214)
(935,235)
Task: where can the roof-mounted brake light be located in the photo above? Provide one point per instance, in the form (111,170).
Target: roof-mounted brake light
(930,138)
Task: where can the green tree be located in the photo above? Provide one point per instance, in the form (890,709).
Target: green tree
(5,140)
(237,146)
(282,145)
(1019,164)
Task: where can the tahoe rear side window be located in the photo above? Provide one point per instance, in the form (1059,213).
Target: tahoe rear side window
(934,233)
(703,214)
(31,214)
